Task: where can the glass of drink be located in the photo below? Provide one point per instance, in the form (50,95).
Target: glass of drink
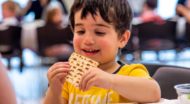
(183,91)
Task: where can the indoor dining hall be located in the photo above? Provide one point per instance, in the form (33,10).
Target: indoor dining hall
(47,48)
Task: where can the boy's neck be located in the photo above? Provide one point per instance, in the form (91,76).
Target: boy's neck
(110,67)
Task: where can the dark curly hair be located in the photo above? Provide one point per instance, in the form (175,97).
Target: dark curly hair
(115,12)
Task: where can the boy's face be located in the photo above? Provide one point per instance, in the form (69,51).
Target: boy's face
(95,38)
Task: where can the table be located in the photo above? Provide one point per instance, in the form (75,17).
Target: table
(166,101)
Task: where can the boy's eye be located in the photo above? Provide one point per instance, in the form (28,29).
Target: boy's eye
(80,32)
(100,33)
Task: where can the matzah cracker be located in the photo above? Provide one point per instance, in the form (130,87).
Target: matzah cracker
(79,65)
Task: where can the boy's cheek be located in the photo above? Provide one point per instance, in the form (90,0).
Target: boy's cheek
(76,43)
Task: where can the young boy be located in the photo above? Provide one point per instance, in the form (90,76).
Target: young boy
(101,28)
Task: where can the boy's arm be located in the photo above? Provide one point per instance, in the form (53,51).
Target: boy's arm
(51,98)
(136,89)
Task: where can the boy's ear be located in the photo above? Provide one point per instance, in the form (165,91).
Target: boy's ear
(124,38)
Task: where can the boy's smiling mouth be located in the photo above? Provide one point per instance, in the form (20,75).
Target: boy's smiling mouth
(90,51)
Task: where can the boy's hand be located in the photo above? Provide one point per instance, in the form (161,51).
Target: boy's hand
(96,77)
(56,76)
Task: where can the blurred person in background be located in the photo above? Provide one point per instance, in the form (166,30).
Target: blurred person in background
(10,12)
(38,6)
(136,6)
(54,15)
(7,95)
(29,29)
(149,12)
(182,17)
(183,9)
(54,22)
(35,6)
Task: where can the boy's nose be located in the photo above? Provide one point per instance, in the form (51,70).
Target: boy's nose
(88,40)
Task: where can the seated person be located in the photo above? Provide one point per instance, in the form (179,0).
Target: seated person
(10,31)
(148,13)
(184,10)
(55,39)
(35,6)
(9,13)
(38,6)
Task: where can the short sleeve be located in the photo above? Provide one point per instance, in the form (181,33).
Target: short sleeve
(137,70)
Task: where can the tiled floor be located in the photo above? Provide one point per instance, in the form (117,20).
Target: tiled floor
(31,84)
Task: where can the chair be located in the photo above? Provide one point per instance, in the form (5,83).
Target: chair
(10,43)
(157,36)
(167,77)
(187,35)
(152,68)
(50,35)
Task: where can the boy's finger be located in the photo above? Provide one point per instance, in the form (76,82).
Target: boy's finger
(59,65)
(81,81)
(59,70)
(58,77)
(86,78)
(90,83)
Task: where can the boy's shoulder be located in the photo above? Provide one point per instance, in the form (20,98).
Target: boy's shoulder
(135,66)
(129,69)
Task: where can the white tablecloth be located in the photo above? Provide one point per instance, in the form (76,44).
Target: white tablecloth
(166,101)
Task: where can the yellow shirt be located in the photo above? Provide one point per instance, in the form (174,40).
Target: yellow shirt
(96,95)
